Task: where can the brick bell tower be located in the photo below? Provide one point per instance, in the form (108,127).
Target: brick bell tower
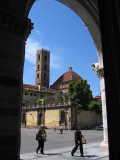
(42,68)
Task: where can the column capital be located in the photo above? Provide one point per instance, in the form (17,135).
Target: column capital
(99,70)
(15,25)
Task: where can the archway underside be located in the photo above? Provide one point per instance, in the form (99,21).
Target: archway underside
(15,27)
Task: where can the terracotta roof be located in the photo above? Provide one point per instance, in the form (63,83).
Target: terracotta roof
(67,77)
(29,86)
(97,97)
(36,88)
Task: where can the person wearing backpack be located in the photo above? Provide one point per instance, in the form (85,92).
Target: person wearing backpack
(41,137)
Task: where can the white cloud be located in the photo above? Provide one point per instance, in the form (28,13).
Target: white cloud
(31,47)
(56,58)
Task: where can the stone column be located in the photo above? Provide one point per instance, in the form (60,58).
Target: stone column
(69,118)
(43,116)
(13,34)
(100,72)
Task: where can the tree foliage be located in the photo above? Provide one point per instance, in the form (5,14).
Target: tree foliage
(41,101)
(95,106)
(80,93)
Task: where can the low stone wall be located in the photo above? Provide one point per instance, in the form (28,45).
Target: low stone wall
(51,118)
(31,118)
(88,119)
(84,118)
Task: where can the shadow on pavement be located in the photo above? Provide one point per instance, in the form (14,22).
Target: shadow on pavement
(87,156)
(53,154)
(91,156)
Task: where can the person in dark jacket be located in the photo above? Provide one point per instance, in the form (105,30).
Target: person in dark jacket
(41,139)
(78,142)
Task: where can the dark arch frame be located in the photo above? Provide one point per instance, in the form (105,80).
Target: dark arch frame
(109,9)
(14,30)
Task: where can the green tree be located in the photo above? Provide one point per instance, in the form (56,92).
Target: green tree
(80,93)
(41,101)
(95,106)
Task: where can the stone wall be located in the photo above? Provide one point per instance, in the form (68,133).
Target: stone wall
(88,119)
(51,118)
(31,118)
(84,118)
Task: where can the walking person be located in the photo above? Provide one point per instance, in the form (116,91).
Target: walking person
(61,129)
(78,142)
(41,137)
(54,128)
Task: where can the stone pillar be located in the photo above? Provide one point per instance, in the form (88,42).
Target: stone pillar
(13,34)
(43,116)
(69,118)
(100,72)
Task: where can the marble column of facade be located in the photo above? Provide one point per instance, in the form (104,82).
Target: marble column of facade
(100,72)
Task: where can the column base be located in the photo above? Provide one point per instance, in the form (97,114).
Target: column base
(104,145)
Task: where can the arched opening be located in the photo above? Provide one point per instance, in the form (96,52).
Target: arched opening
(93,27)
(40,118)
(45,58)
(38,57)
(45,76)
(15,28)
(45,67)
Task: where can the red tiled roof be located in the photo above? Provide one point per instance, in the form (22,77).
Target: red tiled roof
(97,97)
(29,85)
(68,76)
(36,88)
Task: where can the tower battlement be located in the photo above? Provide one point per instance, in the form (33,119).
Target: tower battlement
(43,50)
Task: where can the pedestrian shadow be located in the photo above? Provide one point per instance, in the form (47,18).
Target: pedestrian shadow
(91,156)
(53,154)
(87,156)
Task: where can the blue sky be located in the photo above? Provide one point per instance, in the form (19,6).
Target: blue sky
(58,29)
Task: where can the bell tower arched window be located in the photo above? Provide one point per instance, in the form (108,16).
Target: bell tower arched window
(38,75)
(45,76)
(38,66)
(45,58)
(38,57)
(45,67)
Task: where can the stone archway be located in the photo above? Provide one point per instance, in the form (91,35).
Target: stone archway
(15,27)
(88,11)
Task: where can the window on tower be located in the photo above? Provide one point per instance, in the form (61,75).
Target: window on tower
(38,75)
(45,76)
(38,66)
(38,57)
(45,58)
(45,67)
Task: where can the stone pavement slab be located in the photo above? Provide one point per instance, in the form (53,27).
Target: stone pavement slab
(92,151)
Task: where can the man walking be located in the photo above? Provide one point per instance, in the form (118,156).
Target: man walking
(78,142)
(41,139)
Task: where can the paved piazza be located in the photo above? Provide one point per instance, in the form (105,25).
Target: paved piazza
(59,146)
(55,140)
